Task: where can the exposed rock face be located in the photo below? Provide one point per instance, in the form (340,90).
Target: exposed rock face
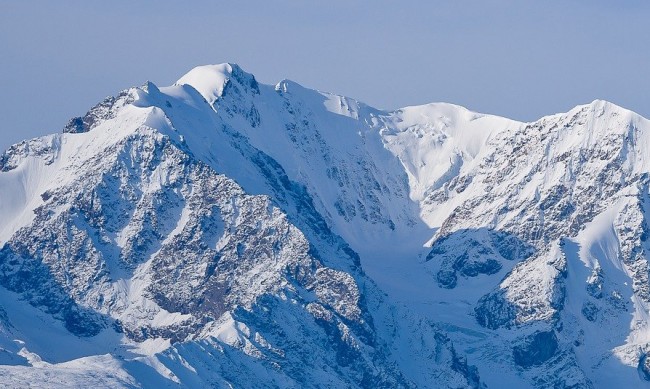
(224,232)
(536,350)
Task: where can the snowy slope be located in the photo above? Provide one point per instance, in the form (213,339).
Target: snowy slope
(224,232)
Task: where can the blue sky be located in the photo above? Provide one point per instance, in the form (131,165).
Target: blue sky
(522,59)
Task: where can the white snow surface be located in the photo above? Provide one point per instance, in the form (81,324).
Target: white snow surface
(391,184)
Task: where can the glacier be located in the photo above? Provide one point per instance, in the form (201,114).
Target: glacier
(226,233)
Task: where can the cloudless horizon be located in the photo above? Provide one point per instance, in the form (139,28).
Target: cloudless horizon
(522,59)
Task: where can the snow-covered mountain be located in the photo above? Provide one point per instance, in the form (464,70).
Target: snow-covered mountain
(224,233)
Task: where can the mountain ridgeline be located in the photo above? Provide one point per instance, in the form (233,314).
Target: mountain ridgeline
(220,232)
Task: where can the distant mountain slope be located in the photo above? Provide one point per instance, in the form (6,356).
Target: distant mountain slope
(224,232)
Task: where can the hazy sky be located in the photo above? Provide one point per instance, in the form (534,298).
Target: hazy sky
(517,58)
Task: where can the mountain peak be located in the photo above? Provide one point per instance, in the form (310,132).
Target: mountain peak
(599,105)
(287,86)
(211,80)
(595,111)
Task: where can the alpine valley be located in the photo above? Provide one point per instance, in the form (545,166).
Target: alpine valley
(224,233)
